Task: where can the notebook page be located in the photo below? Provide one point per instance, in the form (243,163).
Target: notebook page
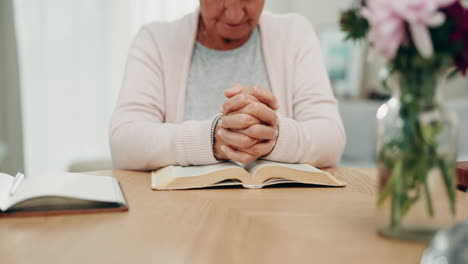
(71,185)
(189,171)
(6,181)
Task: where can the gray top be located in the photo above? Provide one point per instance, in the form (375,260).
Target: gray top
(213,71)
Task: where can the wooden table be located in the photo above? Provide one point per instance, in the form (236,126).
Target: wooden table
(273,225)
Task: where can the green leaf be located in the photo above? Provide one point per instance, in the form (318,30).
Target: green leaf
(354,25)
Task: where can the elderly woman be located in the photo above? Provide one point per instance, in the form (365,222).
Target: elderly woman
(228,82)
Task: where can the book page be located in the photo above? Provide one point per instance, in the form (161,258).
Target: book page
(190,171)
(69,185)
(269,173)
(6,181)
(190,177)
(255,166)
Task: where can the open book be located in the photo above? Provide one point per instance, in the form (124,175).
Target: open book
(59,194)
(255,175)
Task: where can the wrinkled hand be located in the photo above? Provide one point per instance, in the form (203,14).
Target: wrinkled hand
(248,128)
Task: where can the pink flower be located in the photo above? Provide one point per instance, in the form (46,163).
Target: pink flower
(388,18)
(387,29)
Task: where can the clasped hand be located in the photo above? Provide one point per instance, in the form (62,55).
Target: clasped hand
(248,128)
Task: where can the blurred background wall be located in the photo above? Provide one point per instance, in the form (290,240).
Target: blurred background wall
(72,55)
(11,138)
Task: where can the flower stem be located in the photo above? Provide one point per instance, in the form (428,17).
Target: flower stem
(427,194)
(448,176)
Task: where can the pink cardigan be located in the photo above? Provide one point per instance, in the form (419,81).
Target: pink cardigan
(148,129)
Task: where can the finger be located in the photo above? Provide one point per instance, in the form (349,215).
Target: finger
(237,155)
(238,121)
(260,112)
(260,132)
(263,95)
(237,102)
(260,149)
(235,139)
(259,92)
(234,90)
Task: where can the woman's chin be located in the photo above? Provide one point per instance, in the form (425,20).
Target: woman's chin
(235,35)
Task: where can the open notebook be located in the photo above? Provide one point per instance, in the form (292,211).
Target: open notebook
(254,175)
(59,194)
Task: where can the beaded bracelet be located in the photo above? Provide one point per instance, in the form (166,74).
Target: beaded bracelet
(213,129)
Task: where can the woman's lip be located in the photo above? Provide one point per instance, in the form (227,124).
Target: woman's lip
(234,25)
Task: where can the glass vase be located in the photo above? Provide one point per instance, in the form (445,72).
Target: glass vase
(416,153)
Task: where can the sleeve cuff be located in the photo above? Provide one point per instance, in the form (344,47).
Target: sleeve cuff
(285,149)
(193,143)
